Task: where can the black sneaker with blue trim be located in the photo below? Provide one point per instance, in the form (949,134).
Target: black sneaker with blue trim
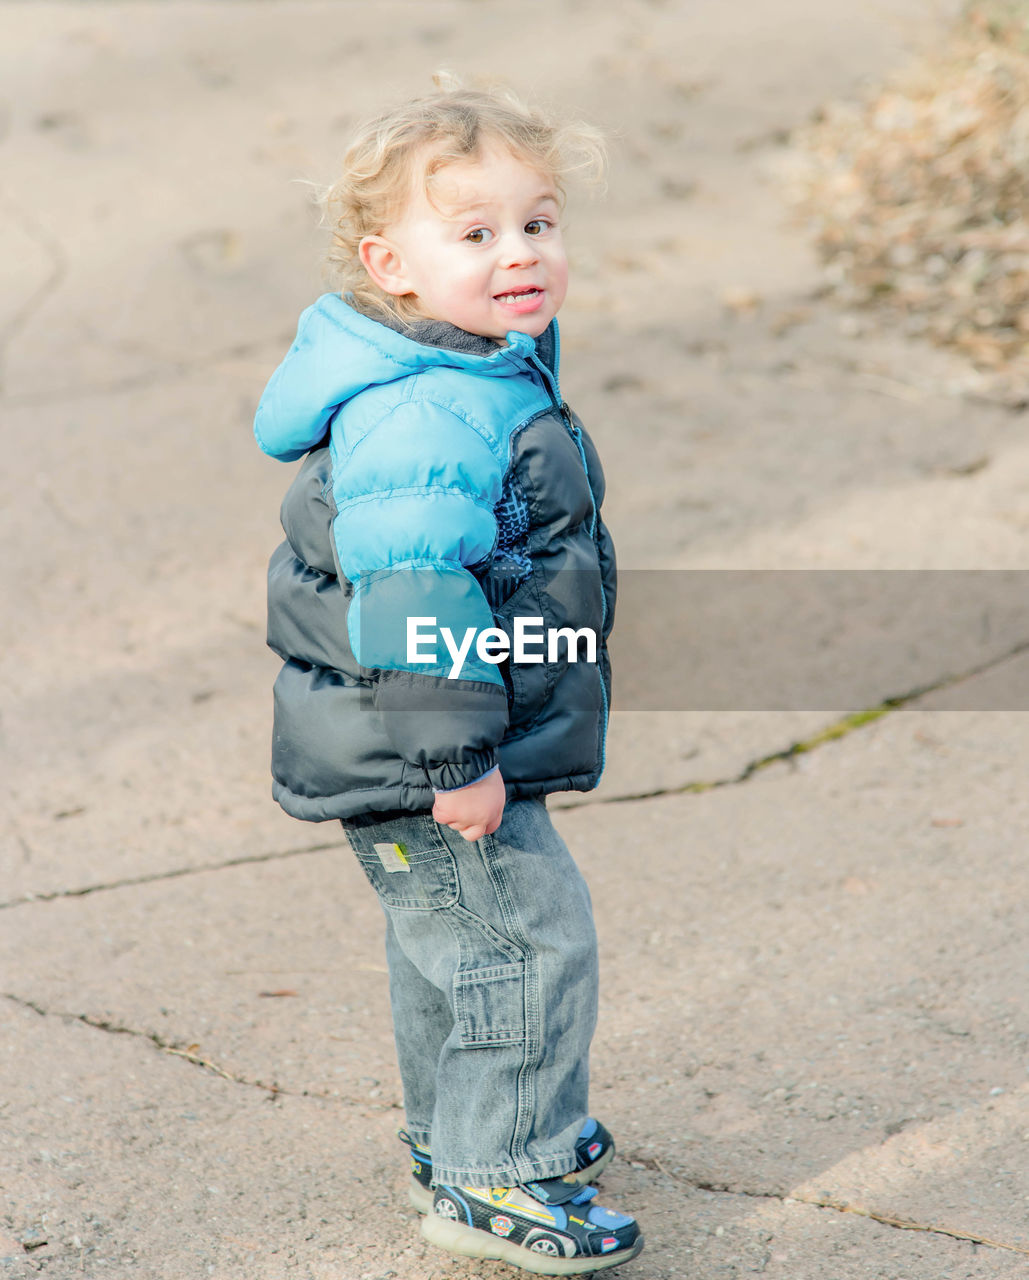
(594,1151)
(551,1227)
(419,1191)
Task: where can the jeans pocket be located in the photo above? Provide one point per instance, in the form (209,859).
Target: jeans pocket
(408,864)
(489,1005)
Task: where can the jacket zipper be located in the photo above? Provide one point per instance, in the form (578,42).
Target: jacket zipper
(553,388)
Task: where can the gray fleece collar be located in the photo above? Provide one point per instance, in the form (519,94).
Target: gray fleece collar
(440,333)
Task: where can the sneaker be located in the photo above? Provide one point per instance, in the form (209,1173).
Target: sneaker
(419,1191)
(594,1151)
(550,1227)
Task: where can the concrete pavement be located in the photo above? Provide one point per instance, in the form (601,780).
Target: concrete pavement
(813,1046)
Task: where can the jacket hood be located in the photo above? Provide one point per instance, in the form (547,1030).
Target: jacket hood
(338,353)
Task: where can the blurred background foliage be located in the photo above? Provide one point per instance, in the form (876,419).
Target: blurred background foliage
(918,195)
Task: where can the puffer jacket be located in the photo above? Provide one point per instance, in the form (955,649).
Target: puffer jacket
(444,479)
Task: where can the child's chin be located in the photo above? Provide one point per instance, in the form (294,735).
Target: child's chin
(531,325)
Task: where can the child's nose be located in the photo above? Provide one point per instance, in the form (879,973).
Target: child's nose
(517,251)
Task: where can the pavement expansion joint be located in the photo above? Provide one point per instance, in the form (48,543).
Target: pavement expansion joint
(826,1202)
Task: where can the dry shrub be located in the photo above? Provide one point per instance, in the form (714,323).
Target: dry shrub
(918,196)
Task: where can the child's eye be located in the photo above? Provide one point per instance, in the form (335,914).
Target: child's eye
(537,226)
(479,236)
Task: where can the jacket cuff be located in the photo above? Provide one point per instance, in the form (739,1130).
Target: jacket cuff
(445,791)
(449,775)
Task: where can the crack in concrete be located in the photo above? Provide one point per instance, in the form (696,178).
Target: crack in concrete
(832,732)
(189,1054)
(54,252)
(826,1202)
(176,873)
(837,729)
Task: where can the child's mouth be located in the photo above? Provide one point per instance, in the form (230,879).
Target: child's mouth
(520,299)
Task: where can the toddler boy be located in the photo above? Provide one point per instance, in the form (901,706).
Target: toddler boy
(441,604)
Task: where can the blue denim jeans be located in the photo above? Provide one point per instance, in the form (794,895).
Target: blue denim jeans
(493,980)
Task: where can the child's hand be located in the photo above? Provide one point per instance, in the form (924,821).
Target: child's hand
(473,811)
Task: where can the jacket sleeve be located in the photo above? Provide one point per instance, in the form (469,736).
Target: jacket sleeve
(414,501)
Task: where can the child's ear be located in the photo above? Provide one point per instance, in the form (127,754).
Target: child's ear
(384,264)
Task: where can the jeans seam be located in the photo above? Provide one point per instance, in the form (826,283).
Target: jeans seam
(466,959)
(514,952)
(531,1049)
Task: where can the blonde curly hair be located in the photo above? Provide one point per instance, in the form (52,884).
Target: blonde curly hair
(415,141)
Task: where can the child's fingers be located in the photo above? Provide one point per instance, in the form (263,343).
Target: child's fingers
(477,830)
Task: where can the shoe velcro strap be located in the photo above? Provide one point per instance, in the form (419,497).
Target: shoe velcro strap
(557,1191)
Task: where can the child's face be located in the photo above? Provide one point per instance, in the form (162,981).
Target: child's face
(485,254)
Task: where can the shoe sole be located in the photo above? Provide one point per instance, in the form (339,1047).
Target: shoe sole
(469,1242)
(421,1197)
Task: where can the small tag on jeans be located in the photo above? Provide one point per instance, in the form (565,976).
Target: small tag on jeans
(393,856)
